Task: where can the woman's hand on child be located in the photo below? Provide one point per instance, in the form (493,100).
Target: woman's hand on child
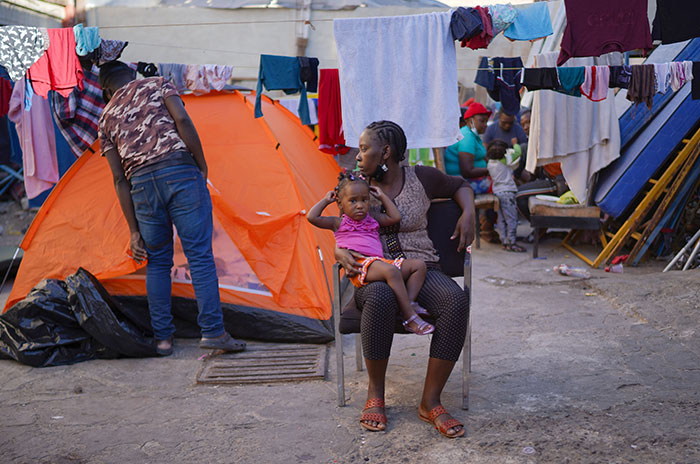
(348,259)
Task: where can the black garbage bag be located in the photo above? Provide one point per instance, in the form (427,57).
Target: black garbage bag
(67,322)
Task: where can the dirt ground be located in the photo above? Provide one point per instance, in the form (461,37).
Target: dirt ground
(564,370)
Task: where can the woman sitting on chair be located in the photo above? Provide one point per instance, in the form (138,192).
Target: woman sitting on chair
(382,147)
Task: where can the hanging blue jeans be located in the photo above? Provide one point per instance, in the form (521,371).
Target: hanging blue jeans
(177,195)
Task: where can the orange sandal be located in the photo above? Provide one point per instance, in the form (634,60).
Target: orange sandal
(438,411)
(373,416)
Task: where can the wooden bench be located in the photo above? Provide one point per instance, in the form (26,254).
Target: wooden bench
(485,201)
(549,214)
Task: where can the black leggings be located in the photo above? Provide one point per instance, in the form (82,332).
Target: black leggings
(447,303)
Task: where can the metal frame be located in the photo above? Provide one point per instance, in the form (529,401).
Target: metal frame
(340,285)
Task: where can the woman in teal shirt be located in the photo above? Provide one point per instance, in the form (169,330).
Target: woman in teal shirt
(468,156)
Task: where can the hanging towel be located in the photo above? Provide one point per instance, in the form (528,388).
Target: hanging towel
(677,76)
(330,116)
(385,79)
(37,139)
(175,73)
(87,39)
(308,73)
(663,76)
(582,135)
(58,69)
(293,106)
(531,23)
(571,79)
(465,23)
(281,73)
(502,16)
(643,85)
(21,47)
(676,20)
(596,27)
(78,116)
(595,84)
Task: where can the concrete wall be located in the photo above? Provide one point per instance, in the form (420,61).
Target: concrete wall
(12,15)
(240,45)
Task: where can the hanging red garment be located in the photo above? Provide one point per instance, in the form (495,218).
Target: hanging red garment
(58,69)
(483,39)
(5,94)
(330,116)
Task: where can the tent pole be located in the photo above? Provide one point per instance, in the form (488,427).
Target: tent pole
(9,268)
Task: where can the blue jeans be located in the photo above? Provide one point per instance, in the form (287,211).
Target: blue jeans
(177,195)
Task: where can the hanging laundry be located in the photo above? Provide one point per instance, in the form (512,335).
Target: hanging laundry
(620,76)
(203,78)
(582,135)
(465,23)
(87,39)
(28,94)
(676,20)
(595,27)
(109,50)
(595,84)
(678,77)
(484,38)
(540,78)
(146,69)
(21,47)
(281,73)
(293,106)
(330,116)
(37,139)
(662,72)
(78,116)
(571,79)
(175,73)
(502,16)
(5,94)
(379,72)
(502,79)
(58,69)
(308,72)
(695,91)
(642,85)
(532,22)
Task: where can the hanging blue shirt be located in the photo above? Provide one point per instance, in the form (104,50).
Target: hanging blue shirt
(281,73)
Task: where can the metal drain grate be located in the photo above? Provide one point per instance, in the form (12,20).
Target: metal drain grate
(266,363)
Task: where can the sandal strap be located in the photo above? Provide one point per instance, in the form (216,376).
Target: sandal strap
(374,403)
(373,417)
(448,424)
(436,412)
(409,320)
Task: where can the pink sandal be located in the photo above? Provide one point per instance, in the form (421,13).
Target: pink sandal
(421,311)
(424,328)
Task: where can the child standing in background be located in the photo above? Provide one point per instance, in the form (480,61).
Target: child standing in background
(505,189)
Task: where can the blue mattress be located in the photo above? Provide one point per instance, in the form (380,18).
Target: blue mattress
(648,139)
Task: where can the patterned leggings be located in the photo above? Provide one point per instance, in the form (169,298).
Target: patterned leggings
(440,295)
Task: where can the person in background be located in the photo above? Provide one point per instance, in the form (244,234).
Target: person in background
(504,188)
(510,131)
(468,156)
(160,173)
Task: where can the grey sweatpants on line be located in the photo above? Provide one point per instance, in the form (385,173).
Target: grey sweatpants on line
(507,224)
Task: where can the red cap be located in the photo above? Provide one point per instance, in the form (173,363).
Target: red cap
(467,103)
(476,108)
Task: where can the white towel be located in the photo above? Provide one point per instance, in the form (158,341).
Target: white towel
(582,135)
(401,69)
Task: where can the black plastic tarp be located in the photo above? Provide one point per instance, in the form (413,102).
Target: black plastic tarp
(64,322)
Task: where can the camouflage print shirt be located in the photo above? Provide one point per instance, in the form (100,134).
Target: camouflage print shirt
(138,125)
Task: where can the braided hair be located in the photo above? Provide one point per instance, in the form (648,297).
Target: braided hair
(347,177)
(391,134)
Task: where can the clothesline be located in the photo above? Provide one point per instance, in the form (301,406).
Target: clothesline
(222,23)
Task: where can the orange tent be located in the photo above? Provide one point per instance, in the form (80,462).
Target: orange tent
(264,174)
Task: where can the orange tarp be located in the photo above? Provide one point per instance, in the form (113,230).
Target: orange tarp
(264,174)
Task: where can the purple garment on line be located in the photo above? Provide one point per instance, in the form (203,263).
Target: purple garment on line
(37,139)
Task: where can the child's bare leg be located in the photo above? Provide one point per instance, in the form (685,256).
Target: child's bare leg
(413,272)
(379,271)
